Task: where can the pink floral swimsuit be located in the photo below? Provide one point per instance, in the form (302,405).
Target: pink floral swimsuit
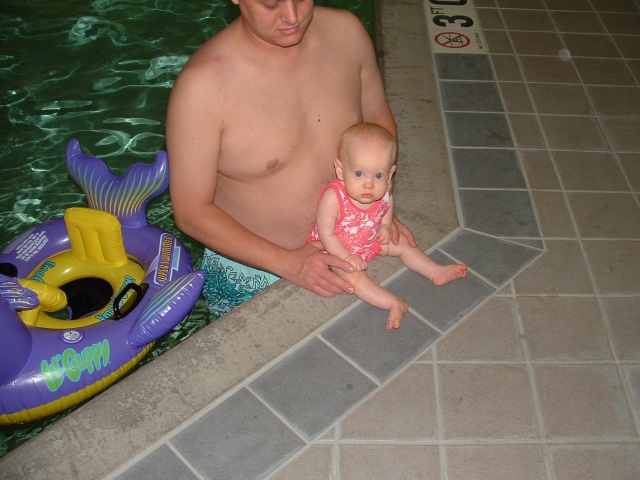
(357,228)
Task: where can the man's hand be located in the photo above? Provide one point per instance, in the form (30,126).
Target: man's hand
(398,228)
(309,269)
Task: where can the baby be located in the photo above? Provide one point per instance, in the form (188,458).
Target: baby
(355,213)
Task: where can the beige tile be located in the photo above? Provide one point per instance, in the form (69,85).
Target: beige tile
(560,99)
(536,43)
(553,214)
(624,133)
(526,131)
(539,170)
(573,133)
(506,68)
(582,462)
(526,4)
(564,329)
(616,101)
(486,401)
(516,19)
(615,5)
(498,41)
(313,464)
(575,5)
(605,215)
(583,401)
(549,69)
(603,71)
(590,45)
(624,320)
(628,24)
(632,377)
(516,97)
(488,334)
(561,270)
(495,462)
(629,45)
(490,18)
(383,462)
(615,265)
(403,410)
(631,165)
(634,66)
(586,22)
(590,171)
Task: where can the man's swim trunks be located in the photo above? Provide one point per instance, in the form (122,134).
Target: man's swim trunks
(357,229)
(229,283)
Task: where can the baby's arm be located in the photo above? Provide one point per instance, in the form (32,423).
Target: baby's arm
(384,236)
(326,217)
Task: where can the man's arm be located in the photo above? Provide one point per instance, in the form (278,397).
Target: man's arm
(194,129)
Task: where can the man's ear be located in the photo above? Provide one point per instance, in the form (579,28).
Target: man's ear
(337,164)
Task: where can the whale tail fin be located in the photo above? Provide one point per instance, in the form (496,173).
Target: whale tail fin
(123,196)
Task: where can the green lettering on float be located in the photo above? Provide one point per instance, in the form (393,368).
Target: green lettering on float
(73,363)
(52,373)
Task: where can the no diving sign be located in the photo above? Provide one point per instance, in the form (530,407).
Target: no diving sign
(453,26)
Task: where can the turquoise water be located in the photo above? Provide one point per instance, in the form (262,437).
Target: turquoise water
(100,72)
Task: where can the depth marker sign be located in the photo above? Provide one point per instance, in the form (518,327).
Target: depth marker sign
(453,26)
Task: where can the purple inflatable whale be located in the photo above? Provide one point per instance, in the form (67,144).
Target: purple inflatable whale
(83,298)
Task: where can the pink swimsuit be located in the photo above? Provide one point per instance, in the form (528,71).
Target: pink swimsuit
(357,228)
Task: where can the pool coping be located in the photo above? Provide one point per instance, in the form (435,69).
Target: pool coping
(139,412)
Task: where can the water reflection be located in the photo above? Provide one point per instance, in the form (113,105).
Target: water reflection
(100,72)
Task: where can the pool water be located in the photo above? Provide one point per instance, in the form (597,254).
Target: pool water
(100,72)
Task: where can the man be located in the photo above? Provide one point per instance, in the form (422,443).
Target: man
(253,125)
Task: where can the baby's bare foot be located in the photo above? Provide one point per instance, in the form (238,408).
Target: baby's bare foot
(396,312)
(447,273)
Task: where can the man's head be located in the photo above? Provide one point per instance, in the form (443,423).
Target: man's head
(277,22)
(366,161)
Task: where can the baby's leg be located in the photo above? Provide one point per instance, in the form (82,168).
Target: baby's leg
(420,262)
(369,291)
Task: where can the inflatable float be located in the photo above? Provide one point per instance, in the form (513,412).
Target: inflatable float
(84,297)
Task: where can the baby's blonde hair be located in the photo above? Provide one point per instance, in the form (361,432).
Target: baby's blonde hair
(367,132)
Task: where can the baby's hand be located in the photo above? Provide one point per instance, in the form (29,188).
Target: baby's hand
(357,262)
(384,236)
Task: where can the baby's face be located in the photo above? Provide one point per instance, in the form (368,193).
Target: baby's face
(366,173)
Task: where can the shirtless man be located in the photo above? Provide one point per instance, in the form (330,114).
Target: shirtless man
(253,125)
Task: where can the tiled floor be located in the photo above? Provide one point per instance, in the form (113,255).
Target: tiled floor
(540,378)
(542,381)
(530,367)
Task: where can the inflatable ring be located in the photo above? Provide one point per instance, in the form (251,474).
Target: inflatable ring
(84,297)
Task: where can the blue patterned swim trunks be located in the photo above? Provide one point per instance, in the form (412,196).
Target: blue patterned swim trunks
(229,283)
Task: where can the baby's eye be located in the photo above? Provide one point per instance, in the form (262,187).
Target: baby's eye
(379,176)
(358,174)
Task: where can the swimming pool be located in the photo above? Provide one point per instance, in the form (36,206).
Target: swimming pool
(100,72)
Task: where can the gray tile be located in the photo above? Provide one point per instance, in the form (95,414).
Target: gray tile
(361,335)
(478,130)
(460,66)
(499,213)
(496,260)
(161,464)
(442,306)
(483,168)
(313,387)
(471,97)
(240,438)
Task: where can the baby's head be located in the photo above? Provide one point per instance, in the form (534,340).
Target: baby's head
(366,161)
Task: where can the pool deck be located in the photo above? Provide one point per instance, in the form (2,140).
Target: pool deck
(523,161)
